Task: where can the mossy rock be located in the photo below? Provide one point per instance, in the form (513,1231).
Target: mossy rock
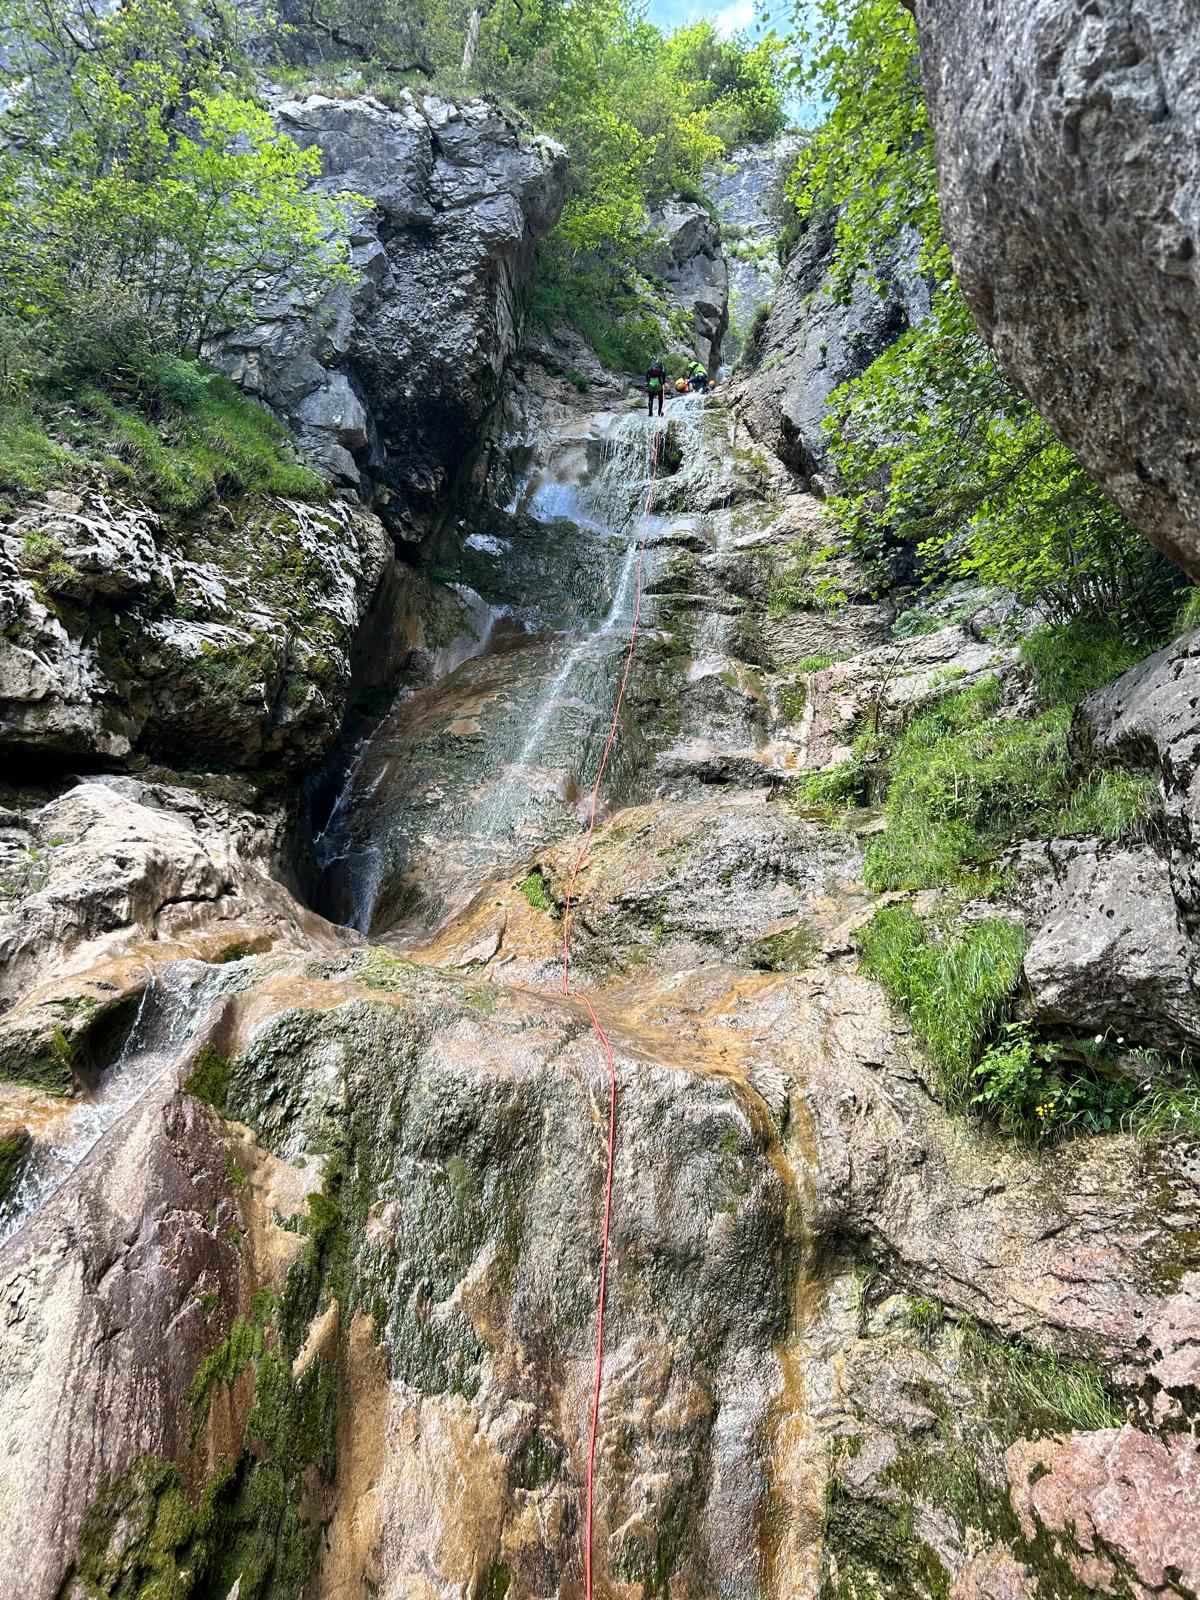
(14,1143)
(62,1042)
(790,950)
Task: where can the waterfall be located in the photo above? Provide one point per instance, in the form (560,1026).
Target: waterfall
(172,1007)
(613,500)
(464,776)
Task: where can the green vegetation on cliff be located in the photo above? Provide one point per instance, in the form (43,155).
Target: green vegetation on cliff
(146,198)
(641,113)
(934,445)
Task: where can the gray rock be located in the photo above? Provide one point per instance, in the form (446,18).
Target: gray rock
(746,193)
(1111,956)
(117,863)
(1070,194)
(1151,716)
(813,342)
(691,263)
(228,638)
(386,385)
(86,543)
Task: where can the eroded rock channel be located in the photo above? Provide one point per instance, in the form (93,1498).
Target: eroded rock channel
(302,1148)
(299,1282)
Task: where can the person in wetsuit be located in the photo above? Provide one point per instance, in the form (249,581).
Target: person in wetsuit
(656,386)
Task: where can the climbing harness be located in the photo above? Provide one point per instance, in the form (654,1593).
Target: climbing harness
(600,1033)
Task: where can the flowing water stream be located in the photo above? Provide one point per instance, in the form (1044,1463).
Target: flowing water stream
(170,1013)
(465,777)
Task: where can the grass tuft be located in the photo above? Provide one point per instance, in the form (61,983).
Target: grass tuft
(1069,661)
(1057,1392)
(955,991)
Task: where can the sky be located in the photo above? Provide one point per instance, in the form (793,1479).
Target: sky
(731,16)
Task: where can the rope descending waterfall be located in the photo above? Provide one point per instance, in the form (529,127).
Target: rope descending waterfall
(600,1033)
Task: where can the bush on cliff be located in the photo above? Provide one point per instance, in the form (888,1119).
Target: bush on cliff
(146,200)
(135,167)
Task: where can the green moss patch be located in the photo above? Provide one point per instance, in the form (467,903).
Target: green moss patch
(536,891)
(209,1078)
(788,951)
(12,1153)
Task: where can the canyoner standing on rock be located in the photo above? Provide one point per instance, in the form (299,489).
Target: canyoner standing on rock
(656,385)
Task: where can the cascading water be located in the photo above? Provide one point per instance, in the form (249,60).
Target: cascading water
(467,776)
(171,1009)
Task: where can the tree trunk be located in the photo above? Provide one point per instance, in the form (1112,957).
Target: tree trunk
(472,40)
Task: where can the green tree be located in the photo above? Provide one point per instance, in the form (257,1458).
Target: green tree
(139,173)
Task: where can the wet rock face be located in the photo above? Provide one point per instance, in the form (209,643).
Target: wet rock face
(386,385)
(802,1240)
(230,638)
(1069,189)
(812,341)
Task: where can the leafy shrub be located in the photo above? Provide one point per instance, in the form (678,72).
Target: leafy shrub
(1038,1089)
(139,175)
(955,990)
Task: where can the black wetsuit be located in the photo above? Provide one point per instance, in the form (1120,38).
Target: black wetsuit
(656,385)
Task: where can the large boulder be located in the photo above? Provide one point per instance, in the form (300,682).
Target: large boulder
(117,866)
(815,339)
(1111,955)
(690,262)
(229,637)
(1151,715)
(1069,179)
(386,385)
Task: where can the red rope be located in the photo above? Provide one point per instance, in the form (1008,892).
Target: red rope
(600,1033)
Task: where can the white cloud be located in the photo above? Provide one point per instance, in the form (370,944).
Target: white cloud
(736,17)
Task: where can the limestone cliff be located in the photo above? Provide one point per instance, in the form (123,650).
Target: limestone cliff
(814,339)
(387,385)
(1069,182)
